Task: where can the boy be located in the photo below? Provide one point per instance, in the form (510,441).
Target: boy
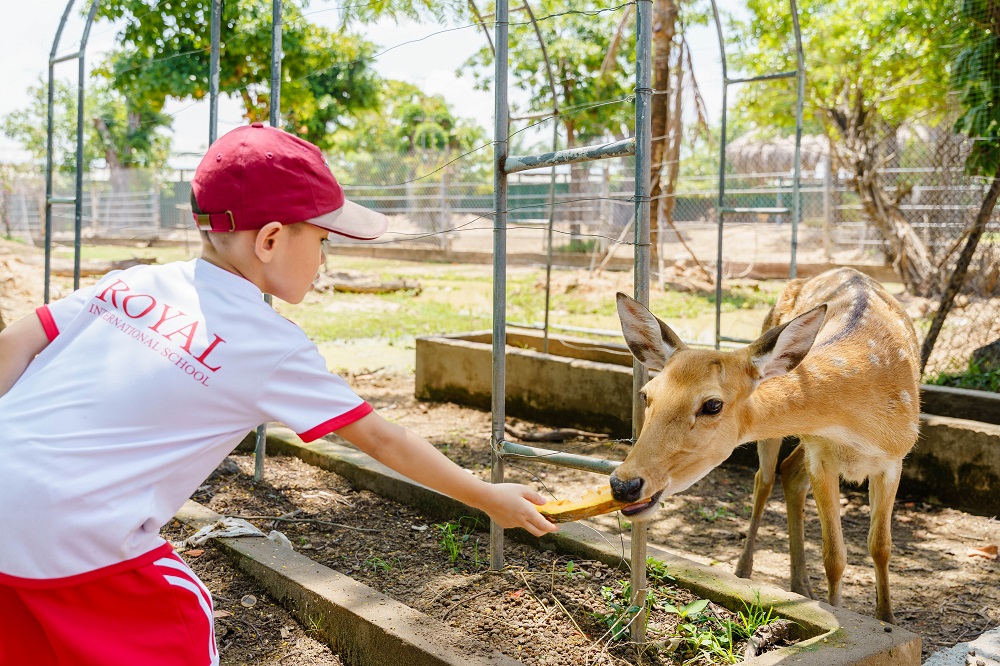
(117,401)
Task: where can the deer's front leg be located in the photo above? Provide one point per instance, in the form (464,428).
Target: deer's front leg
(763,482)
(825,478)
(881,495)
(795,483)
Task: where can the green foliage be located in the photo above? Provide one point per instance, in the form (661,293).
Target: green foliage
(418,133)
(111,129)
(975,378)
(889,57)
(165,52)
(576,42)
(976,78)
(367,12)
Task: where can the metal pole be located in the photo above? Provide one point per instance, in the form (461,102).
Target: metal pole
(797,166)
(275,118)
(213,72)
(81,87)
(722,181)
(500,148)
(643,141)
(276,58)
(552,181)
(48,149)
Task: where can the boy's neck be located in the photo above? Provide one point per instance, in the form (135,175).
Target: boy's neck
(234,257)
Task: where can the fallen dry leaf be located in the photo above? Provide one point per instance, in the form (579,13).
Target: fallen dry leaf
(989,551)
(195,553)
(220,613)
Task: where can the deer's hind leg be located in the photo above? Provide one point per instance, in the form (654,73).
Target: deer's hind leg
(763,483)
(824,475)
(881,495)
(795,483)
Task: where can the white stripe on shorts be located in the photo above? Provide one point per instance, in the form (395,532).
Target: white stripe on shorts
(191,582)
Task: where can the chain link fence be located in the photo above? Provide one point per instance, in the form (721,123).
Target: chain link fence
(444,201)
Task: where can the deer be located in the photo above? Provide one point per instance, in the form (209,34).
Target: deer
(837,365)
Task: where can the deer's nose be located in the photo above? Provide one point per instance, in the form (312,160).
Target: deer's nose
(626,491)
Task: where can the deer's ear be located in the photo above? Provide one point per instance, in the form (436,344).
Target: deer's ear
(651,341)
(780,349)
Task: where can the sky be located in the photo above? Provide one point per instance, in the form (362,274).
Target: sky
(421,57)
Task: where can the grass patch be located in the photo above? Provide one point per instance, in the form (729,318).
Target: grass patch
(456,298)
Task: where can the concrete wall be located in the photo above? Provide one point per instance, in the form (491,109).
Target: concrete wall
(552,389)
(960,403)
(956,460)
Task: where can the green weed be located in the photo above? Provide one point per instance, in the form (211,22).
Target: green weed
(656,572)
(453,537)
(622,612)
(380,565)
(712,515)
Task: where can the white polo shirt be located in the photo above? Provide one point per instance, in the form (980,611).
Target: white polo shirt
(150,379)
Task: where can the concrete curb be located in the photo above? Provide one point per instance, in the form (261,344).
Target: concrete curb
(829,636)
(364,626)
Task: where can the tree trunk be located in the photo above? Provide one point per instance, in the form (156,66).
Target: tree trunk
(672,157)
(664,30)
(957,278)
(859,150)
(119,173)
(908,252)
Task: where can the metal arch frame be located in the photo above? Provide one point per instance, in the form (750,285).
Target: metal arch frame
(77,198)
(505,164)
(213,133)
(800,74)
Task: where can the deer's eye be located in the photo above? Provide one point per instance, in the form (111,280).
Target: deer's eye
(711,407)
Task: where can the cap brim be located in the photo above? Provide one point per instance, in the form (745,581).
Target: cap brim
(353,221)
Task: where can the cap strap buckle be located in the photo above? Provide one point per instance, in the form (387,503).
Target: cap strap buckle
(205,221)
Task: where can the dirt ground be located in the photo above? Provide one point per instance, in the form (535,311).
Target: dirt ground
(939,590)
(540,609)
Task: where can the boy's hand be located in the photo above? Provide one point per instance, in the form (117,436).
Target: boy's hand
(512,505)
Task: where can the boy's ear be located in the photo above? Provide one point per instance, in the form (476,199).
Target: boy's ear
(266,240)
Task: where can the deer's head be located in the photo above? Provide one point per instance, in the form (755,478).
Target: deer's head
(696,408)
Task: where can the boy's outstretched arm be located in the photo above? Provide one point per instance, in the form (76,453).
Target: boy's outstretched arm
(509,504)
(19,344)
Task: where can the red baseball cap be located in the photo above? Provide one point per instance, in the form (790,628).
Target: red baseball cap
(259,174)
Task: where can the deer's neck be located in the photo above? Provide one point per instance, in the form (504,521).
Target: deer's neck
(787,405)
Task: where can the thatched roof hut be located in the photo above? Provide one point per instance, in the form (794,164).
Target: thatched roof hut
(752,154)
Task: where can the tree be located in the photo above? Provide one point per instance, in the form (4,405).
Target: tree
(27,126)
(407,132)
(165,53)
(110,131)
(591,107)
(872,69)
(976,79)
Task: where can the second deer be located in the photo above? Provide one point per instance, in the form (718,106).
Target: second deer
(837,365)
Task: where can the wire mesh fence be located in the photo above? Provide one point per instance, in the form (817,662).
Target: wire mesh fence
(444,201)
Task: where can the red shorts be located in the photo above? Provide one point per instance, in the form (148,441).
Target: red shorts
(159,614)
